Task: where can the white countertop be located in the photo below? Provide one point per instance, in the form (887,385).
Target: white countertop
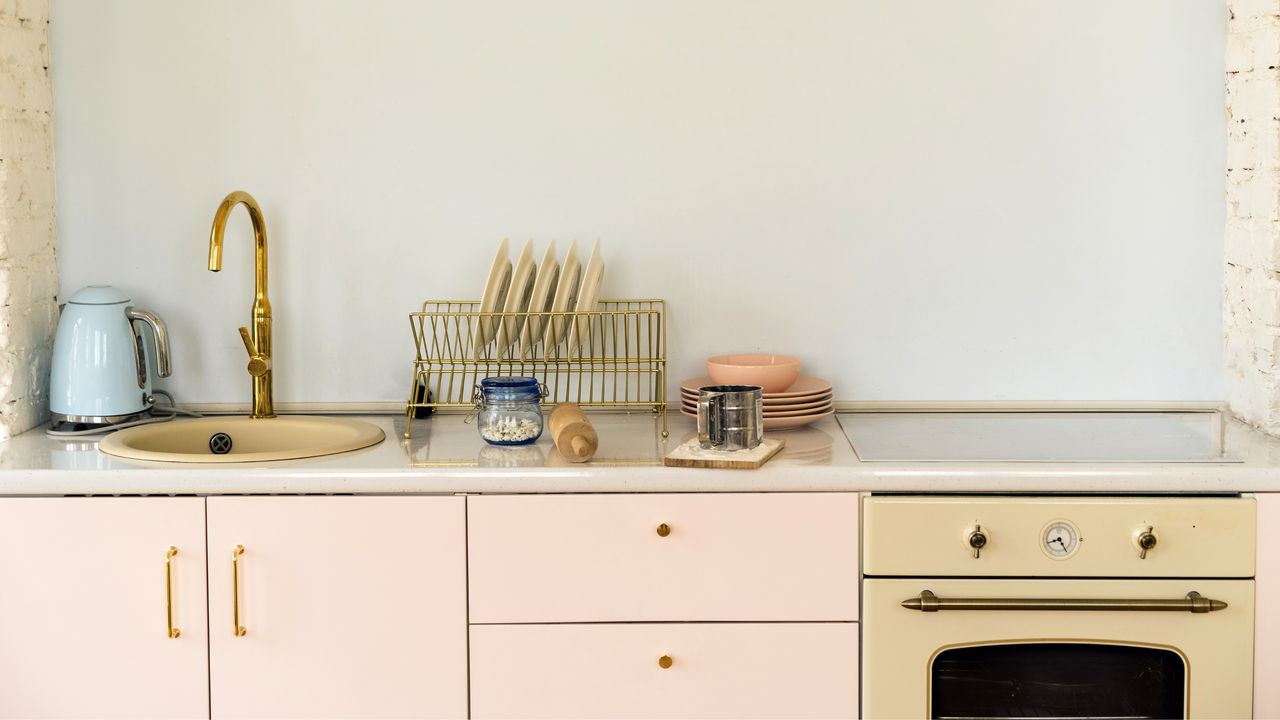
(448,456)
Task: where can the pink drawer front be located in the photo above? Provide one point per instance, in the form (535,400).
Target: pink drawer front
(636,558)
(718,670)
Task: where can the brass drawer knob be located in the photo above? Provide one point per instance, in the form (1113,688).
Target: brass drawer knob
(664,662)
(664,530)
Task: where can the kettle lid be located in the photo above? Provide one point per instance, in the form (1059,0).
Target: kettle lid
(98,295)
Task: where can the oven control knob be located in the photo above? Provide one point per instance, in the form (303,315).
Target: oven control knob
(977,540)
(1146,541)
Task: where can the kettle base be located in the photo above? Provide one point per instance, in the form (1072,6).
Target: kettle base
(98,419)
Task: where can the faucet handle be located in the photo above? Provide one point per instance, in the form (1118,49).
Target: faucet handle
(258,365)
(248,341)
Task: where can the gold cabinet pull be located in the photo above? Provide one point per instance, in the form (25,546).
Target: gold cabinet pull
(664,530)
(235,590)
(664,662)
(168,591)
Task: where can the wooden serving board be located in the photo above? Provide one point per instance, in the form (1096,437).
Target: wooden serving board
(690,455)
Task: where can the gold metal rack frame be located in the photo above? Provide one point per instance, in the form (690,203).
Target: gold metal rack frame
(614,356)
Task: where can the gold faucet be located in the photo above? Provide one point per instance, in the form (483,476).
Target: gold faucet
(258,341)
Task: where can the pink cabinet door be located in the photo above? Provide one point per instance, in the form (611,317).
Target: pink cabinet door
(351,607)
(715,670)
(85,585)
(629,558)
(1266,686)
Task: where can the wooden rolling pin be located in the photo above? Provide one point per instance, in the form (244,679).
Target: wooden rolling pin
(572,432)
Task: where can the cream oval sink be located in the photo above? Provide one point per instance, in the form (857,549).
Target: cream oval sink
(241,439)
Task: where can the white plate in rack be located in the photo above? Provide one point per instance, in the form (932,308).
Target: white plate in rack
(517,300)
(579,334)
(565,297)
(544,288)
(495,293)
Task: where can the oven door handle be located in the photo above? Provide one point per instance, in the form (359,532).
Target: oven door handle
(1193,602)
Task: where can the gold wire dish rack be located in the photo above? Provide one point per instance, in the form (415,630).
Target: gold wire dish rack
(614,356)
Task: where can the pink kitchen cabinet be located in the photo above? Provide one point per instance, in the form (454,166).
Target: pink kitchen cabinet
(350,607)
(1266,686)
(98,618)
(665,670)
(697,605)
(664,557)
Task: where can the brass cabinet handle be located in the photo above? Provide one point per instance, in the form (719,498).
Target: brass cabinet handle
(664,530)
(1193,602)
(168,591)
(235,590)
(664,662)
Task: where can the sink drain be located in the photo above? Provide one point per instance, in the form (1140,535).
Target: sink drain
(220,444)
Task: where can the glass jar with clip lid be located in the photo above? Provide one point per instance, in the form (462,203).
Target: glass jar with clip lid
(509,409)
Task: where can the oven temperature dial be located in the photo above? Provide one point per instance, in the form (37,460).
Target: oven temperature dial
(1060,540)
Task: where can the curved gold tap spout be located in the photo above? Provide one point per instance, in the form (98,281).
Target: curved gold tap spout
(258,340)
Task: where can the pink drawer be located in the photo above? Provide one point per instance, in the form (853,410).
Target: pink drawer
(719,670)
(634,558)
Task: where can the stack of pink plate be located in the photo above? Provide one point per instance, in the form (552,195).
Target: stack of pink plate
(808,399)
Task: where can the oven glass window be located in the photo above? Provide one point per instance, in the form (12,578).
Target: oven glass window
(1058,680)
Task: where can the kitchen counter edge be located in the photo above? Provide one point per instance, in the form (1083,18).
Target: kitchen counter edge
(30,466)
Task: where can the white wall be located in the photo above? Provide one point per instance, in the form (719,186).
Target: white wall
(1006,199)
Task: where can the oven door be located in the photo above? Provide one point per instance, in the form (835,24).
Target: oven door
(1056,648)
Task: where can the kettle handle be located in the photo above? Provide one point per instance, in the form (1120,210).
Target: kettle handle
(159,330)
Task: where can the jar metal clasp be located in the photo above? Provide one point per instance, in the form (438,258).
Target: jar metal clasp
(477,404)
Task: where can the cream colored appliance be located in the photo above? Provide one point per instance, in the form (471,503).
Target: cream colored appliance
(1064,607)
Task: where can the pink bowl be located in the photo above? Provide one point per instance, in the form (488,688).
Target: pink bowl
(774,373)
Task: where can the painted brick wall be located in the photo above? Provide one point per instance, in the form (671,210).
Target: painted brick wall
(1251,301)
(28,263)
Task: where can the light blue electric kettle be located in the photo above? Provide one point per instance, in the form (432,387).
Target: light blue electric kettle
(100,371)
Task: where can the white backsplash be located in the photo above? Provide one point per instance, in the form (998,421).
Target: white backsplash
(926,200)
